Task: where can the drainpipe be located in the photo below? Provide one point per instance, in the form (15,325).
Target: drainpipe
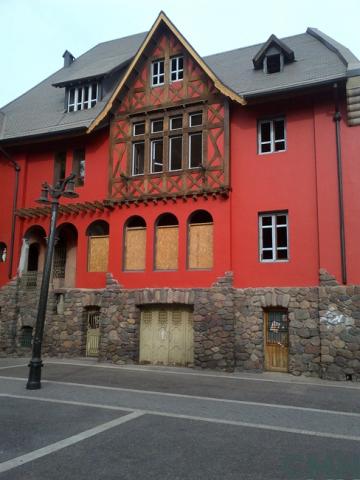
(337,120)
(13,223)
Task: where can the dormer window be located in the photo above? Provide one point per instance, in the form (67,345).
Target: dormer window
(82,97)
(273,63)
(273,55)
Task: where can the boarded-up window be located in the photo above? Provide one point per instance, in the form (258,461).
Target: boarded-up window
(98,254)
(200,254)
(167,243)
(135,244)
(98,246)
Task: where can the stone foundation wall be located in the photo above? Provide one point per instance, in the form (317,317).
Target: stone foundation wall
(324,324)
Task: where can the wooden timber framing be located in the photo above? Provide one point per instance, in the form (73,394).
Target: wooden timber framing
(164,20)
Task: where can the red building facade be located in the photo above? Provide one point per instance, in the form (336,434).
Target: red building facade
(199,204)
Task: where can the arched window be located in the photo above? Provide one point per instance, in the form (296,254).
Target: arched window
(135,244)
(26,336)
(98,246)
(167,242)
(200,240)
(3,252)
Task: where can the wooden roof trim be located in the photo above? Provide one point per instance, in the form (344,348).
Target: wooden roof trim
(163,18)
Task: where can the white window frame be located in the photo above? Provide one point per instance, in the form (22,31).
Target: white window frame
(176,118)
(272,142)
(194,114)
(202,148)
(156,77)
(134,127)
(152,151)
(133,159)
(152,125)
(274,248)
(80,92)
(170,147)
(179,72)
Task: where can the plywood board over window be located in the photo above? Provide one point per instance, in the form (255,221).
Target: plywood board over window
(201,245)
(167,247)
(98,253)
(135,248)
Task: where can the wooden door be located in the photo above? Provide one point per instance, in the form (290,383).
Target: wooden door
(166,336)
(276,340)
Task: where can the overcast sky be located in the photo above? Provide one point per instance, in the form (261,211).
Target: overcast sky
(35,33)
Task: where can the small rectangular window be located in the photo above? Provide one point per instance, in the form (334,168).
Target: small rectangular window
(176,68)
(273,63)
(271,136)
(138,161)
(157,73)
(175,153)
(59,167)
(82,97)
(176,123)
(195,119)
(157,156)
(78,166)
(273,233)
(139,128)
(157,125)
(195,150)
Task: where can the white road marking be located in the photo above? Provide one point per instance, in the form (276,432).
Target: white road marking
(14,366)
(143,369)
(215,375)
(261,426)
(54,447)
(192,397)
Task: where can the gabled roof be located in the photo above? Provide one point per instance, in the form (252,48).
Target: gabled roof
(273,41)
(162,18)
(40,111)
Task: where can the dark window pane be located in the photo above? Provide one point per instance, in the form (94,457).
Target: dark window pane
(282,254)
(279,146)
(60,166)
(79,166)
(267,255)
(281,237)
(181,63)
(161,66)
(279,129)
(139,128)
(173,64)
(195,119)
(138,158)
(86,93)
(155,68)
(195,150)
(157,156)
(157,125)
(175,153)
(267,237)
(71,95)
(273,63)
(265,132)
(266,220)
(79,98)
(176,123)
(173,77)
(281,220)
(265,148)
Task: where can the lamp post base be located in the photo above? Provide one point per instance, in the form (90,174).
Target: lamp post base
(34,381)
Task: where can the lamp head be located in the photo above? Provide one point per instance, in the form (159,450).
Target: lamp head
(70,189)
(44,196)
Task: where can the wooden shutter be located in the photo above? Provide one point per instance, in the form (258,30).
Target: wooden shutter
(167,247)
(135,248)
(201,245)
(98,253)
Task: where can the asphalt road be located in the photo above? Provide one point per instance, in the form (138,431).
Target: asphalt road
(98,421)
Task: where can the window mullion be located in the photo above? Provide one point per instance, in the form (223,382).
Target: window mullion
(273,225)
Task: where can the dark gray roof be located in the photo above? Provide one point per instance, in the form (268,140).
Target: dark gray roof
(40,111)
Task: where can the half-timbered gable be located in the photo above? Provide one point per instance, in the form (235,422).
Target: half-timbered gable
(169,127)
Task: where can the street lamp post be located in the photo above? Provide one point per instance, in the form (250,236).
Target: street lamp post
(61,189)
